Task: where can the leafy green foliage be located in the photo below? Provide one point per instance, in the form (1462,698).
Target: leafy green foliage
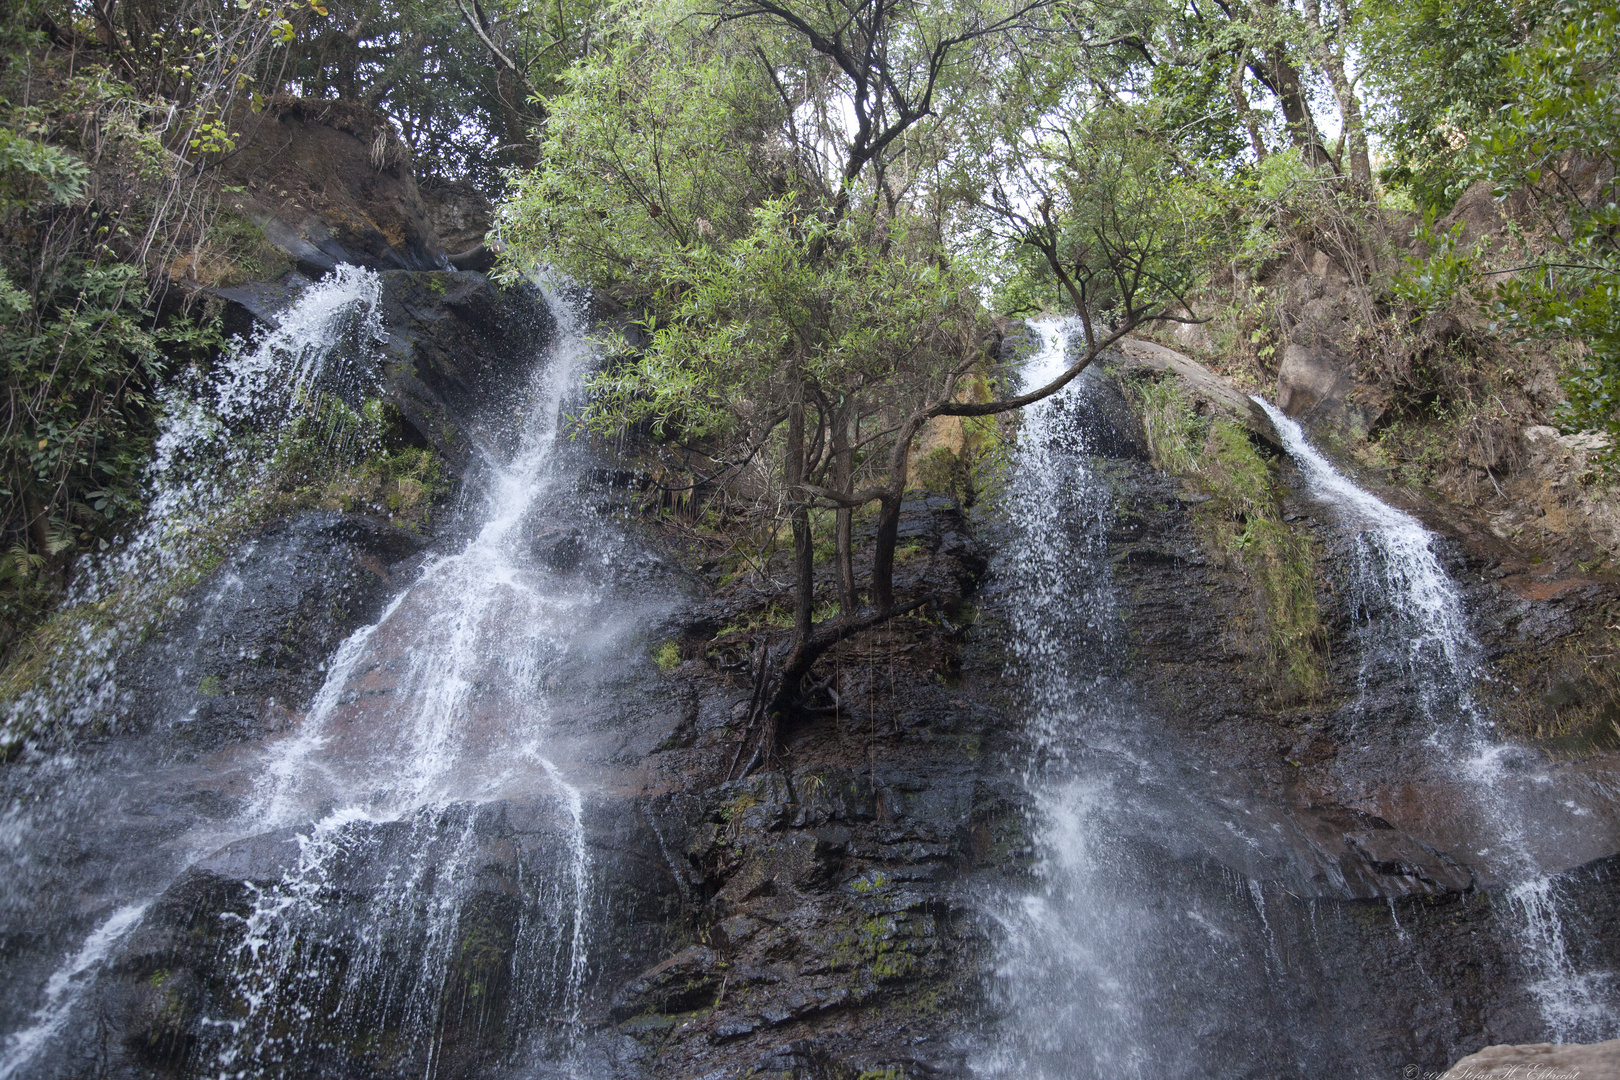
(1100,213)
(30,170)
(1439,72)
(1566,109)
(743,267)
(461,111)
(83,345)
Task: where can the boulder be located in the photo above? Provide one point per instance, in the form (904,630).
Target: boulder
(1552,1061)
(249,646)
(460,214)
(1139,355)
(1309,379)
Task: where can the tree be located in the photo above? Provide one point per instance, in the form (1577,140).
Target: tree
(1438,72)
(466,82)
(1565,113)
(786,234)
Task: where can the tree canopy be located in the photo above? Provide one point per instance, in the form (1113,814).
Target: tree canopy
(812,212)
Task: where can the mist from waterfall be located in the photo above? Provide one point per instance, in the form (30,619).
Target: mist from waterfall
(1100,962)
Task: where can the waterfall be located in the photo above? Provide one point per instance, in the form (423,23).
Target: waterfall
(412,853)
(1407,606)
(462,719)
(1098,963)
(198,482)
(1411,613)
(201,470)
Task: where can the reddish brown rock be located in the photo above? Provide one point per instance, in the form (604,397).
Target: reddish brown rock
(1541,1061)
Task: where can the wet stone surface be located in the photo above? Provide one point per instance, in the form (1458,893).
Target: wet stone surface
(249,646)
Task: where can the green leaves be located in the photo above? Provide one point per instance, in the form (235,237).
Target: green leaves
(1566,111)
(31,170)
(759,273)
(1431,283)
(81,368)
(1439,70)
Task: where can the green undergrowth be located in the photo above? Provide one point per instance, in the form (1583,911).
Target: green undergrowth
(329,456)
(333,457)
(667,655)
(1243,522)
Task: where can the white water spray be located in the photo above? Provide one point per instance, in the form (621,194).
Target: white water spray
(1069,974)
(439,707)
(1396,566)
(66,986)
(202,470)
(430,723)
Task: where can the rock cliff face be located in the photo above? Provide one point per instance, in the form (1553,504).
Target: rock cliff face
(830,916)
(330,182)
(249,651)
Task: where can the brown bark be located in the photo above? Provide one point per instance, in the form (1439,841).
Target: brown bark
(39,525)
(1240,101)
(1289,87)
(843,461)
(1355,126)
(888,528)
(803,551)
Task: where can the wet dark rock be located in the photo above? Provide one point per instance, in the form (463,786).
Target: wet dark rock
(180,968)
(250,644)
(259,302)
(458,347)
(559,548)
(688,980)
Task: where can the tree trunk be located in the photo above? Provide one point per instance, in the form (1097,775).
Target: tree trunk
(804,584)
(39,523)
(1282,78)
(843,477)
(888,529)
(1355,127)
(1296,109)
(1240,101)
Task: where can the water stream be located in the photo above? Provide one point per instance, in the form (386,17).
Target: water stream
(411,871)
(1168,933)
(1102,964)
(1411,615)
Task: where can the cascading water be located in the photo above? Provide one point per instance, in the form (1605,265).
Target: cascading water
(1408,609)
(460,662)
(1181,925)
(412,873)
(1411,616)
(200,473)
(1105,967)
(55,798)
(1062,509)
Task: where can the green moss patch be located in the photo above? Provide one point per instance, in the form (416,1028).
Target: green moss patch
(1243,523)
